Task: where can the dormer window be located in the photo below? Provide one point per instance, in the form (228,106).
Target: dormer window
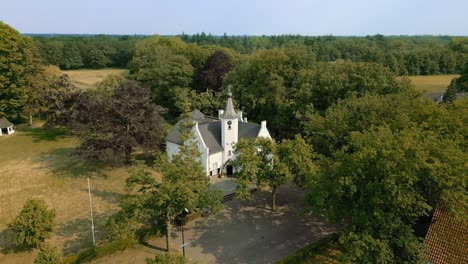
(229,125)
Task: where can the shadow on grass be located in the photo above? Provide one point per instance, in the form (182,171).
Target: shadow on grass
(110,197)
(78,233)
(64,163)
(45,134)
(7,244)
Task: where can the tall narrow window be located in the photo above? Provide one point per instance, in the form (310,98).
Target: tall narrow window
(229,125)
(229,153)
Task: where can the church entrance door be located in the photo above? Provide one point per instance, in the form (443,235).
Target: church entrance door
(229,170)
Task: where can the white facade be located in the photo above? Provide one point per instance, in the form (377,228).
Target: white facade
(233,127)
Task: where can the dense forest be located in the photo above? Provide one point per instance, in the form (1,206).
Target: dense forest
(404,55)
(380,156)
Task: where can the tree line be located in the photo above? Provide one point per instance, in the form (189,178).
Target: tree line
(404,55)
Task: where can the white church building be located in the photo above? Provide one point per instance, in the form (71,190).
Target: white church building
(216,137)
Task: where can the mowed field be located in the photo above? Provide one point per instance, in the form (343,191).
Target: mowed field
(87,78)
(38,163)
(432,83)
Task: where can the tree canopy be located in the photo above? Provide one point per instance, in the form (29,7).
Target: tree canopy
(112,125)
(15,60)
(33,224)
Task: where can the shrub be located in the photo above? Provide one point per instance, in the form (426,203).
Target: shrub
(166,258)
(48,255)
(34,223)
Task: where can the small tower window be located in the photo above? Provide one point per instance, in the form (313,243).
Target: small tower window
(229,153)
(229,125)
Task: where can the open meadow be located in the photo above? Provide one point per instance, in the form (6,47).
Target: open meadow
(432,83)
(38,163)
(87,78)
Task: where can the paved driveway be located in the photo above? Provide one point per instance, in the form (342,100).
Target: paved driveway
(244,232)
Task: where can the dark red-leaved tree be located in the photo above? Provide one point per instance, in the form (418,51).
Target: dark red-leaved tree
(211,75)
(110,126)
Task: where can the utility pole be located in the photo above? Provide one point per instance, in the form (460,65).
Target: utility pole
(91,212)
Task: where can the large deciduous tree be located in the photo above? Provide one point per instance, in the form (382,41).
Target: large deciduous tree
(33,224)
(210,76)
(111,126)
(183,185)
(258,163)
(15,59)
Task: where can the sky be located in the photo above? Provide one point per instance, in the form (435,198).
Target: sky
(238,17)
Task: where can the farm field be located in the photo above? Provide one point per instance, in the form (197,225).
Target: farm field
(432,83)
(87,78)
(38,163)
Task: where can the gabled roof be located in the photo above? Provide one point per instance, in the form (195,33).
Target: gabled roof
(447,240)
(210,130)
(5,123)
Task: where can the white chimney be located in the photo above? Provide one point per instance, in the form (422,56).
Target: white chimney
(220,113)
(245,119)
(239,113)
(263,124)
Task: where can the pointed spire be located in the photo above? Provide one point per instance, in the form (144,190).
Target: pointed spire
(229,112)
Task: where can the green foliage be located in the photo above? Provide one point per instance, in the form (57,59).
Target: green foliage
(72,52)
(390,160)
(15,59)
(166,258)
(33,224)
(257,163)
(48,255)
(299,157)
(111,82)
(281,85)
(164,68)
(457,86)
(183,185)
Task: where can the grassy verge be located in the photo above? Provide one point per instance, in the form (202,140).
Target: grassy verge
(326,250)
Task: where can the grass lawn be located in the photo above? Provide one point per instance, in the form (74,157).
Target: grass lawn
(87,78)
(432,83)
(38,163)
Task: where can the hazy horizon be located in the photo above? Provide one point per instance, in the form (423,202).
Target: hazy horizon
(242,17)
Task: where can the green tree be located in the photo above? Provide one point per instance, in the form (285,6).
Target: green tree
(299,157)
(164,69)
(33,224)
(15,58)
(457,85)
(389,180)
(40,82)
(166,258)
(48,255)
(183,185)
(71,56)
(257,163)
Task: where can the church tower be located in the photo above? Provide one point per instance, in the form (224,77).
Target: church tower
(229,128)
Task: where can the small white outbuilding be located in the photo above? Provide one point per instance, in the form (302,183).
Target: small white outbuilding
(6,127)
